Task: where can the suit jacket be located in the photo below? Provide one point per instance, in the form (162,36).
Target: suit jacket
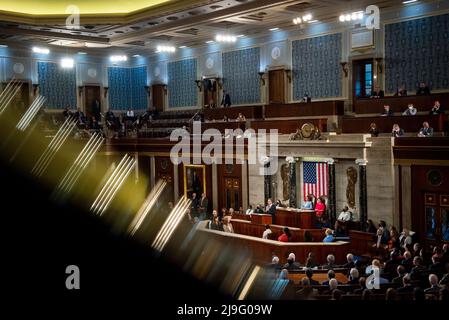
(387,113)
(226,101)
(436,112)
(314,282)
(272,209)
(405,289)
(428,132)
(423,91)
(203,204)
(397,280)
(410,112)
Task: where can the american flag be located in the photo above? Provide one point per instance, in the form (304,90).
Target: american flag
(315,179)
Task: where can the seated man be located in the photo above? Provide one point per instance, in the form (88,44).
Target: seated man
(434,287)
(407,286)
(330,265)
(437,109)
(426,130)
(130,114)
(423,89)
(345,215)
(291,263)
(410,111)
(401,92)
(81,117)
(387,111)
(330,276)
(377,93)
(397,131)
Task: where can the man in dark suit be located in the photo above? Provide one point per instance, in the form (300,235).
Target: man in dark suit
(437,267)
(203,205)
(387,111)
(307,292)
(377,93)
(401,272)
(309,274)
(437,109)
(271,208)
(330,276)
(407,262)
(226,101)
(407,286)
(195,205)
(96,109)
(426,130)
(423,89)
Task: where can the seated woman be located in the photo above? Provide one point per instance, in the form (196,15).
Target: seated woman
(329,236)
(227,225)
(308,204)
(285,236)
(373,131)
(215,223)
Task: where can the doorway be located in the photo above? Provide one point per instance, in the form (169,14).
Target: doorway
(158,92)
(276,86)
(91,95)
(436,216)
(362,78)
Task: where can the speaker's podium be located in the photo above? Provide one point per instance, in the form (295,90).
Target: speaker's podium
(261,218)
(298,218)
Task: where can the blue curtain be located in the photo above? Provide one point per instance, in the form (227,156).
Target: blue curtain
(182,90)
(127,88)
(58,85)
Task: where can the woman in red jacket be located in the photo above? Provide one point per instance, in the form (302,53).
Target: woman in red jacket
(285,236)
(320,207)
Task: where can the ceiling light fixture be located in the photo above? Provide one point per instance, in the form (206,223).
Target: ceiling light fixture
(358,15)
(312,21)
(67,63)
(182,47)
(240,36)
(409,1)
(41,50)
(165,49)
(210,41)
(3,46)
(136,55)
(274,29)
(225,38)
(304,18)
(118,58)
(82,52)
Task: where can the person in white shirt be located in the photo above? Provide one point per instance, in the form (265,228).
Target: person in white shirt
(345,215)
(267,232)
(250,210)
(130,113)
(410,111)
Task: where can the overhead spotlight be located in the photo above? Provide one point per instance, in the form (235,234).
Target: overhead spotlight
(225,38)
(409,1)
(182,47)
(165,49)
(358,15)
(41,50)
(81,52)
(136,55)
(240,36)
(210,41)
(3,46)
(118,58)
(274,29)
(67,63)
(307,17)
(312,21)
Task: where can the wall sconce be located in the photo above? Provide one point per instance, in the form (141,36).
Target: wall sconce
(261,73)
(344,67)
(35,88)
(148,89)
(80,90)
(105,92)
(379,64)
(289,75)
(198,84)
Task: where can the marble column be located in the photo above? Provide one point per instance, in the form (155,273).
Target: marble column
(332,198)
(363,195)
(293,199)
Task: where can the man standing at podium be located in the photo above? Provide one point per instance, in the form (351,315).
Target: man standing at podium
(271,208)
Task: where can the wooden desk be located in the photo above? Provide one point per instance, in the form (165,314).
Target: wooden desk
(250,112)
(261,218)
(290,217)
(288,126)
(399,104)
(301,109)
(410,124)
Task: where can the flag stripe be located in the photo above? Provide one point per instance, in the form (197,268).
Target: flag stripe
(315,176)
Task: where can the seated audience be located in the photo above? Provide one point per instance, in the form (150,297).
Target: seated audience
(330,265)
(370,226)
(329,236)
(401,92)
(214,223)
(258,209)
(426,130)
(407,261)
(362,286)
(401,273)
(266,232)
(67,112)
(241,117)
(373,131)
(387,111)
(330,276)
(406,285)
(285,236)
(377,93)
(306,98)
(227,225)
(393,242)
(250,210)
(310,261)
(390,294)
(410,111)
(434,287)
(274,265)
(437,267)
(423,89)
(81,117)
(405,238)
(397,131)
(333,284)
(437,109)
(130,114)
(307,292)
(350,261)
(309,275)
(291,263)
(225,118)
(353,276)
(419,271)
